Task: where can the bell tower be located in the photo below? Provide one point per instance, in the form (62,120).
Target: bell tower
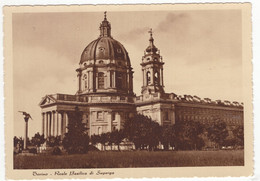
(152,67)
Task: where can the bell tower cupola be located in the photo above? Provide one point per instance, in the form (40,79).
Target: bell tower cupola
(152,68)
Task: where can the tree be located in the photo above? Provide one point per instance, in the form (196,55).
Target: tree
(238,133)
(188,135)
(142,131)
(153,136)
(110,139)
(95,139)
(168,136)
(16,141)
(76,140)
(217,132)
(117,137)
(38,139)
(54,141)
(103,140)
(18,144)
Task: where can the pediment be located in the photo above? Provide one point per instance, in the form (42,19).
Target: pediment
(47,100)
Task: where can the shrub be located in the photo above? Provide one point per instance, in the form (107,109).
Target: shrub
(56,151)
(54,141)
(33,150)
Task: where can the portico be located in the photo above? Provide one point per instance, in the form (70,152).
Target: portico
(54,123)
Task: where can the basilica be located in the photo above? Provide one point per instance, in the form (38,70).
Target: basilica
(105,93)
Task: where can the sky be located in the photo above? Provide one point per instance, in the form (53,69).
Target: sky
(202,51)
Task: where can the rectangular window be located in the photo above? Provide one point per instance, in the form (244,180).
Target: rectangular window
(99,115)
(166,115)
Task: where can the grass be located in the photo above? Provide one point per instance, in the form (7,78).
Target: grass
(132,159)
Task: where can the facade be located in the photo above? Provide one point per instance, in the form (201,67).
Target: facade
(105,93)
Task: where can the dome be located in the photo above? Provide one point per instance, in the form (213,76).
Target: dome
(105,48)
(105,66)
(151,48)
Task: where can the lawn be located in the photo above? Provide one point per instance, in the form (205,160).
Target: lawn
(109,159)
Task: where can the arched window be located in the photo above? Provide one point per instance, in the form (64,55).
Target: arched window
(148,78)
(113,116)
(101,80)
(156,78)
(119,80)
(99,130)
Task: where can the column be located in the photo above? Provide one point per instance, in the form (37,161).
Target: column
(162,76)
(67,123)
(64,123)
(61,125)
(91,80)
(131,81)
(79,80)
(114,79)
(47,125)
(57,120)
(53,129)
(118,120)
(128,80)
(95,81)
(173,115)
(160,120)
(88,80)
(143,77)
(109,121)
(43,122)
(152,75)
(109,79)
(50,121)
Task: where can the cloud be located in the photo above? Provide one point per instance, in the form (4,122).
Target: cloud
(171,20)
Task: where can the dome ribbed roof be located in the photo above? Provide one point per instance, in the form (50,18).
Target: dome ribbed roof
(105,48)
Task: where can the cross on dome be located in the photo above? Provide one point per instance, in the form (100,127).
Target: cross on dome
(151,47)
(151,32)
(151,37)
(105,15)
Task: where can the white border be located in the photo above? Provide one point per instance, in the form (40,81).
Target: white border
(256,69)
